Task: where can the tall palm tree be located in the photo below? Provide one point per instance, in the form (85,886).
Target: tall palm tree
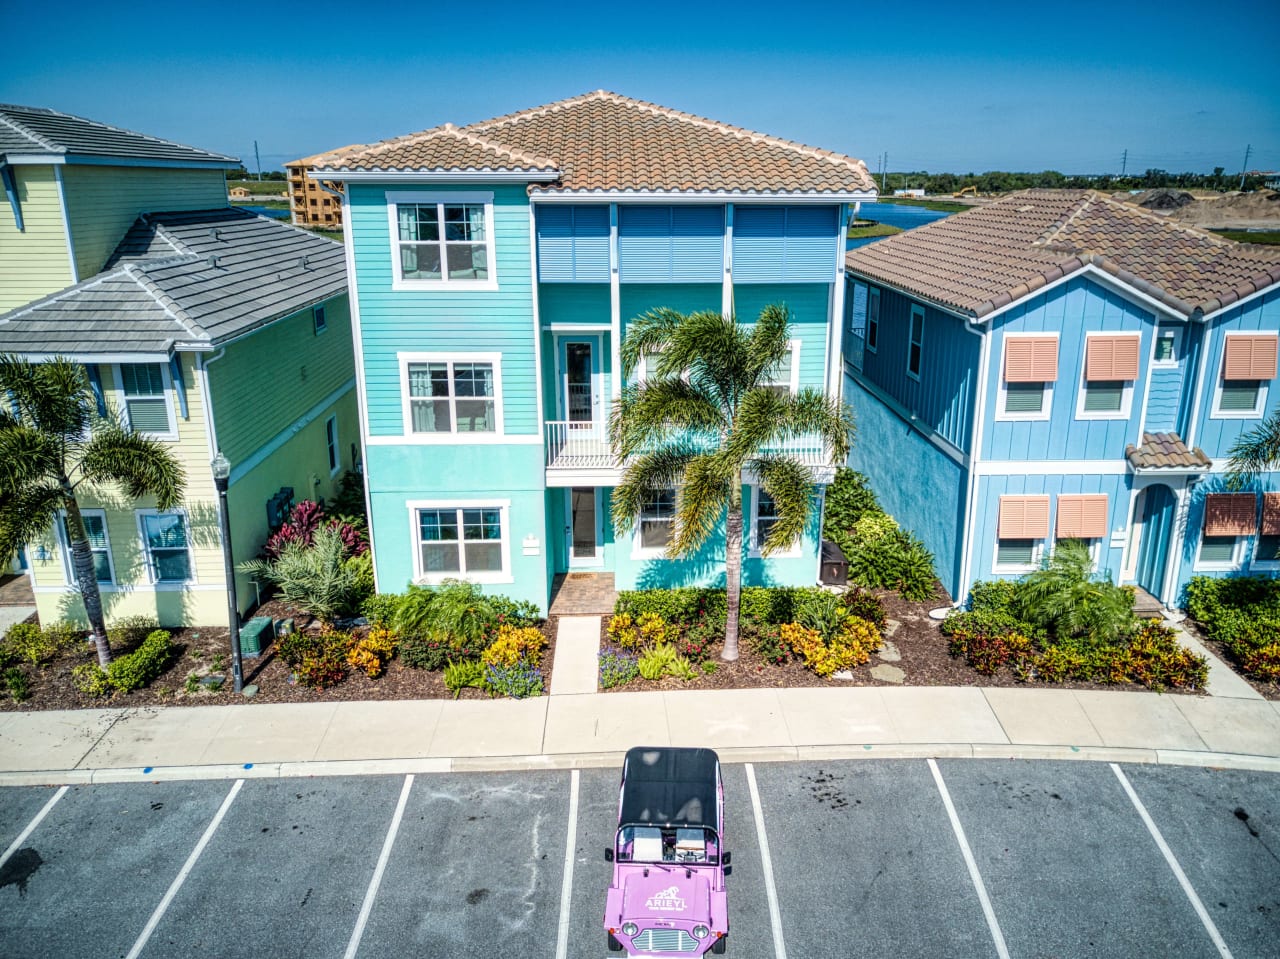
(53,444)
(704,416)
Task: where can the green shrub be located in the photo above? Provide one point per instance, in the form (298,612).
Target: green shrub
(617,667)
(129,631)
(138,668)
(864,605)
(1263,663)
(685,605)
(1244,630)
(64,635)
(18,684)
(849,498)
(455,612)
(518,682)
(463,674)
(381,608)
(1208,596)
(769,645)
(824,613)
(655,661)
(323,663)
(514,612)
(994,596)
(696,641)
(90,679)
(320,578)
(30,643)
(1066,599)
(295,645)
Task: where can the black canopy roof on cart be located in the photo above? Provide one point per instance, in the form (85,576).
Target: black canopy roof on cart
(670,786)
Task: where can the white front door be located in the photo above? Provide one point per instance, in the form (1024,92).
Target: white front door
(582,527)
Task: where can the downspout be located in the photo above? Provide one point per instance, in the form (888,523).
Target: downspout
(202,369)
(975,455)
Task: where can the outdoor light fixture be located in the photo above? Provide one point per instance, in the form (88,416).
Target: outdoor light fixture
(221,467)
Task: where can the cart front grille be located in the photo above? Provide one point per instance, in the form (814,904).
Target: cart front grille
(664,940)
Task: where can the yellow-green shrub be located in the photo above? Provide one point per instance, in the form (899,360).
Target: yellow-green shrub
(514,644)
(851,647)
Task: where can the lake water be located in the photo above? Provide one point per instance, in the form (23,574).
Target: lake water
(893,214)
(264,211)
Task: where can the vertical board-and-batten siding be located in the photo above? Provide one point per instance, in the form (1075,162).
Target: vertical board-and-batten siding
(785,244)
(103,202)
(1072,310)
(441,320)
(573,243)
(1216,436)
(944,395)
(34,261)
(671,244)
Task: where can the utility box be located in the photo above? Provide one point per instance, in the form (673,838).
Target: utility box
(256,634)
(835,568)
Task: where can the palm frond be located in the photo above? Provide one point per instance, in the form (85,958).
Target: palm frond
(790,484)
(1254,453)
(26,514)
(715,351)
(770,341)
(27,456)
(142,465)
(52,396)
(648,333)
(766,418)
(649,414)
(701,501)
(645,475)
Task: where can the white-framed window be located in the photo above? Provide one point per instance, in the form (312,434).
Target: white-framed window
(915,342)
(1093,544)
(764,513)
(166,546)
(451,397)
(1219,552)
(1029,369)
(331,444)
(785,378)
(656,525)
(463,540)
(442,240)
(1107,376)
(146,398)
(318,323)
(873,318)
(1017,555)
(1167,348)
(95,527)
(1244,378)
(1022,529)
(1266,552)
(1239,399)
(1105,399)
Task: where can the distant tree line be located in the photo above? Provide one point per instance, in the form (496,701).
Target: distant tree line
(997,181)
(243,174)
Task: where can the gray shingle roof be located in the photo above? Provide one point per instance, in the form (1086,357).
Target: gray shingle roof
(187,280)
(43,132)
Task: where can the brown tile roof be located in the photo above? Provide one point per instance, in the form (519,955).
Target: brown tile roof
(980,260)
(1165,451)
(328,156)
(603,142)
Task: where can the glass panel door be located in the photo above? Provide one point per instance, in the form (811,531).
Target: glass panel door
(579,402)
(584,549)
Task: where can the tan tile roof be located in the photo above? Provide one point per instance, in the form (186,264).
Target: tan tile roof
(603,142)
(988,257)
(328,156)
(1165,451)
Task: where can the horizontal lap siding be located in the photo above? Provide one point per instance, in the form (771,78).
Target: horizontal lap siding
(809,305)
(1072,310)
(35,259)
(637,299)
(1217,436)
(393,321)
(587,303)
(1163,400)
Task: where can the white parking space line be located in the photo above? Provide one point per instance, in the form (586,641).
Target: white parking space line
(993,924)
(31,826)
(1173,864)
(566,886)
(372,893)
(775,914)
(185,871)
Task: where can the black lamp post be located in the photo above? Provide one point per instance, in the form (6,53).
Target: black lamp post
(221,477)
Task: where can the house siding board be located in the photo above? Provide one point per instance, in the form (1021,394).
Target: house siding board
(1217,436)
(103,202)
(636,299)
(1163,399)
(931,505)
(573,243)
(394,321)
(1268,482)
(584,303)
(793,244)
(1072,309)
(670,244)
(33,261)
(809,305)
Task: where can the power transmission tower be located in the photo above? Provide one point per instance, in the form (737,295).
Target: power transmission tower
(1124,162)
(884,170)
(1245,168)
(257,159)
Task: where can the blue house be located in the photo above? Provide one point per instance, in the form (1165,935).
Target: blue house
(1058,364)
(494,270)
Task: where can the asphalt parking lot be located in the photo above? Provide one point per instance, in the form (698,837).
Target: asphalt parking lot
(864,858)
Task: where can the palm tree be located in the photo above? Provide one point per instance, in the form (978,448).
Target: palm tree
(53,444)
(704,416)
(1254,452)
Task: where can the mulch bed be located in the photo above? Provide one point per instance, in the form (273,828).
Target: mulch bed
(1269,691)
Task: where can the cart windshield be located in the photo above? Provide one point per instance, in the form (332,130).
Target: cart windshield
(677,845)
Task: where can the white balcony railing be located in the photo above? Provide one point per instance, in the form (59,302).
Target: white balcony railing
(585,445)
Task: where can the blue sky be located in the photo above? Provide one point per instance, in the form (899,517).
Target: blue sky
(944,87)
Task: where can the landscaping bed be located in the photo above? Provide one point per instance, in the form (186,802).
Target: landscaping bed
(1238,618)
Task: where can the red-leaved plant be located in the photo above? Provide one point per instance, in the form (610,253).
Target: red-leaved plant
(304,519)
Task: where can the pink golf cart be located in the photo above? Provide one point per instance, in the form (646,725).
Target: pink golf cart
(667,897)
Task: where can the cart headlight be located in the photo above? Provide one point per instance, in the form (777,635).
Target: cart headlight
(629,929)
(700,932)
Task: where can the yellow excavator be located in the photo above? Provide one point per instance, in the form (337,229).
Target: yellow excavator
(967,191)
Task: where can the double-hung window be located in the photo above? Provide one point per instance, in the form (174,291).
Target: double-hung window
(1022,528)
(144,395)
(915,345)
(1083,516)
(95,527)
(764,517)
(1030,370)
(657,520)
(873,318)
(166,546)
(1229,518)
(451,393)
(331,444)
(468,541)
(784,379)
(1110,370)
(442,240)
(1248,367)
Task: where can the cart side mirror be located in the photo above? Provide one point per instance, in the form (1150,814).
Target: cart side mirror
(608,854)
(727,858)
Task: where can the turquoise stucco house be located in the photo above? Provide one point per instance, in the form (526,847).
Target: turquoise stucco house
(493,271)
(1059,364)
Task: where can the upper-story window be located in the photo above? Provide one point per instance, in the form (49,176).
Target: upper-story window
(442,240)
(1167,348)
(1030,370)
(451,393)
(873,319)
(915,346)
(317,319)
(784,379)
(1110,370)
(1248,367)
(146,400)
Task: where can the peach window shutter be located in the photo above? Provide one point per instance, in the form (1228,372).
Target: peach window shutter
(1023,517)
(1271,514)
(1031,359)
(1230,514)
(1250,358)
(1112,357)
(1082,516)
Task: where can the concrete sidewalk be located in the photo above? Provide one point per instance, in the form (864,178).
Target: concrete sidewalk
(566,731)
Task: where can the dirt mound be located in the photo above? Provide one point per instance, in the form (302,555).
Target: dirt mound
(1259,207)
(1164,199)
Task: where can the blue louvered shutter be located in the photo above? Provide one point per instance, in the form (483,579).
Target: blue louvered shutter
(697,245)
(644,244)
(793,244)
(590,244)
(810,244)
(555,244)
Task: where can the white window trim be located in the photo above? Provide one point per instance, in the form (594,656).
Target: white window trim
(336,468)
(1046,407)
(911,322)
(444,284)
(793,385)
(1216,412)
(453,437)
(319,319)
(1177,346)
(1265,565)
(873,291)
(148,566)
(1237,557)
(64,547)
(1037,554)
(170,435)
(1095,547)
(503,506)
(755,545)
(1126,394)
(641,552)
